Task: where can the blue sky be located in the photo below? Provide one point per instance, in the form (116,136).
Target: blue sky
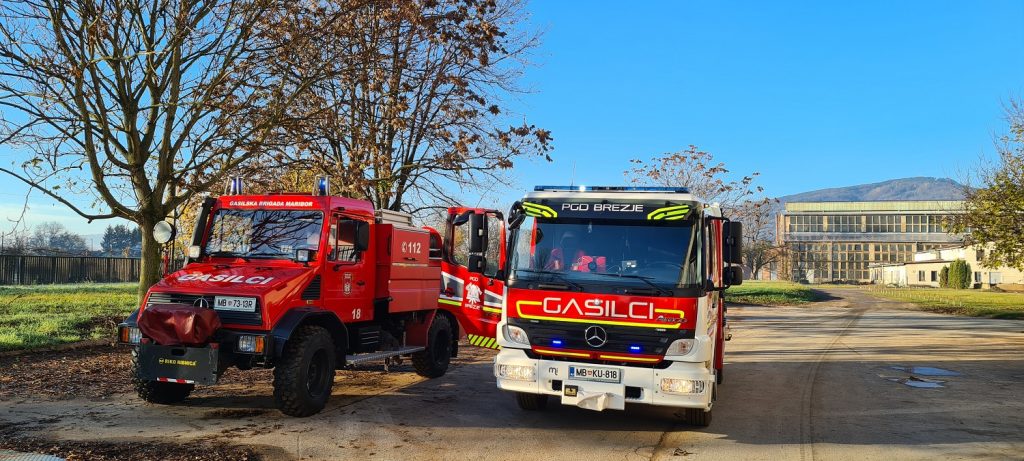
(809,94)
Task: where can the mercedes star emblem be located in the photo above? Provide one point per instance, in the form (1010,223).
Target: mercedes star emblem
(596,336)
(201,303)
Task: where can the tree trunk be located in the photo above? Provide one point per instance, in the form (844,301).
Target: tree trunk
(151,265)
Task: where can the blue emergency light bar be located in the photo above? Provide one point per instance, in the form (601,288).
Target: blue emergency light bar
(678,190)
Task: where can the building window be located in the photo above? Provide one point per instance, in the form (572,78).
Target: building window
(806,223)
(844,223)
(935,276)
(977,277)
(995,278)
(883,223)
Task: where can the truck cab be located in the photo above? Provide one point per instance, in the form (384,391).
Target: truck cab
(614,295)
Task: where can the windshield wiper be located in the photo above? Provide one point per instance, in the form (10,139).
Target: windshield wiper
(264,254)
(645,279)
(227,254)
(557,275)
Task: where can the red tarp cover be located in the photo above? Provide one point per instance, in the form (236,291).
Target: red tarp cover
(177,325)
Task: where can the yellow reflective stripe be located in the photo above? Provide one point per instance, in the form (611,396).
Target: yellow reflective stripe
(519,310)
(622,357)
(538,210)
(492,309)
(670,213)
(568,354)
(448,301)
(483,341)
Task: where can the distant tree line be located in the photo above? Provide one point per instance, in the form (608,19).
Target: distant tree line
(54,239)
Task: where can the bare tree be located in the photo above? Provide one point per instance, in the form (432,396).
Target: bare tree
(740,198)
(129,108)
(414,108)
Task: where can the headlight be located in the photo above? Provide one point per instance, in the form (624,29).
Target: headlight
(129,335)
(516,335)
(515,372)
(682,386)
(681,347)
(251,344)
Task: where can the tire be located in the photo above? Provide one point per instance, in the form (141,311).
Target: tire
(434,360)
(304,375)
(697,417)
(156,391)
(531,402)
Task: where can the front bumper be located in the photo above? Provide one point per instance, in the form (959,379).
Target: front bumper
(199,364)
(191,365)
(638,385)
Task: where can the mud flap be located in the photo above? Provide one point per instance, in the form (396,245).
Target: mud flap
(190,364)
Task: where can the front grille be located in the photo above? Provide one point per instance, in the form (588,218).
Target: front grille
(544,333)
(312,291)
(227,317)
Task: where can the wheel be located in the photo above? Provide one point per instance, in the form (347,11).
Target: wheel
(434,360)
(304,376)
(156,391)
(531,402)
(697,417)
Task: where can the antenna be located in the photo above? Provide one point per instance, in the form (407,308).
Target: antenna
(572,181)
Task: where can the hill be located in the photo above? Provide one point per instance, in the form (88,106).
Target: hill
(896,189)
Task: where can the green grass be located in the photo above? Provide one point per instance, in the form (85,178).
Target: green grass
(49,315)
(975,303)
(773,293)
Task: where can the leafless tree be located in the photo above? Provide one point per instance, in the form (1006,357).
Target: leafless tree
(413,112)
(741,199)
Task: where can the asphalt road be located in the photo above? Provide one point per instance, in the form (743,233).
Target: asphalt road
(809,383)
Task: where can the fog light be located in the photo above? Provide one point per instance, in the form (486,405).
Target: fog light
(682,386)
(250,344)
(515,372)
(130,335)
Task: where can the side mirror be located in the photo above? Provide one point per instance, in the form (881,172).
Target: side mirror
(362,242)
(163,232)
(461,219)
(516,215)
(732,275)
(303,255)
(733,243)
(477,263)
(477,234)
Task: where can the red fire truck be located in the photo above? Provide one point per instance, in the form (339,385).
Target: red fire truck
(310,283)
(614,295)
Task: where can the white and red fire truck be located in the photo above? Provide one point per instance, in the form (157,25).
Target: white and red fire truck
(614,295)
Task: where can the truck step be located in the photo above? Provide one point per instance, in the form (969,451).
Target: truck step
(373,356)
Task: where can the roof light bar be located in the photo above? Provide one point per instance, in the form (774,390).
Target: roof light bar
(680,190)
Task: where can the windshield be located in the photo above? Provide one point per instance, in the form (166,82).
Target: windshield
(609,252)
(268,234)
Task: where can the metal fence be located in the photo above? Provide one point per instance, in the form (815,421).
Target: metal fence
(34,270)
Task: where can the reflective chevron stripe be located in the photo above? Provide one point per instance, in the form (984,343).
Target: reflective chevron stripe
(483,341)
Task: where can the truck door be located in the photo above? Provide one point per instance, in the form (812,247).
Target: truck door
(474,295)
(348,275)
